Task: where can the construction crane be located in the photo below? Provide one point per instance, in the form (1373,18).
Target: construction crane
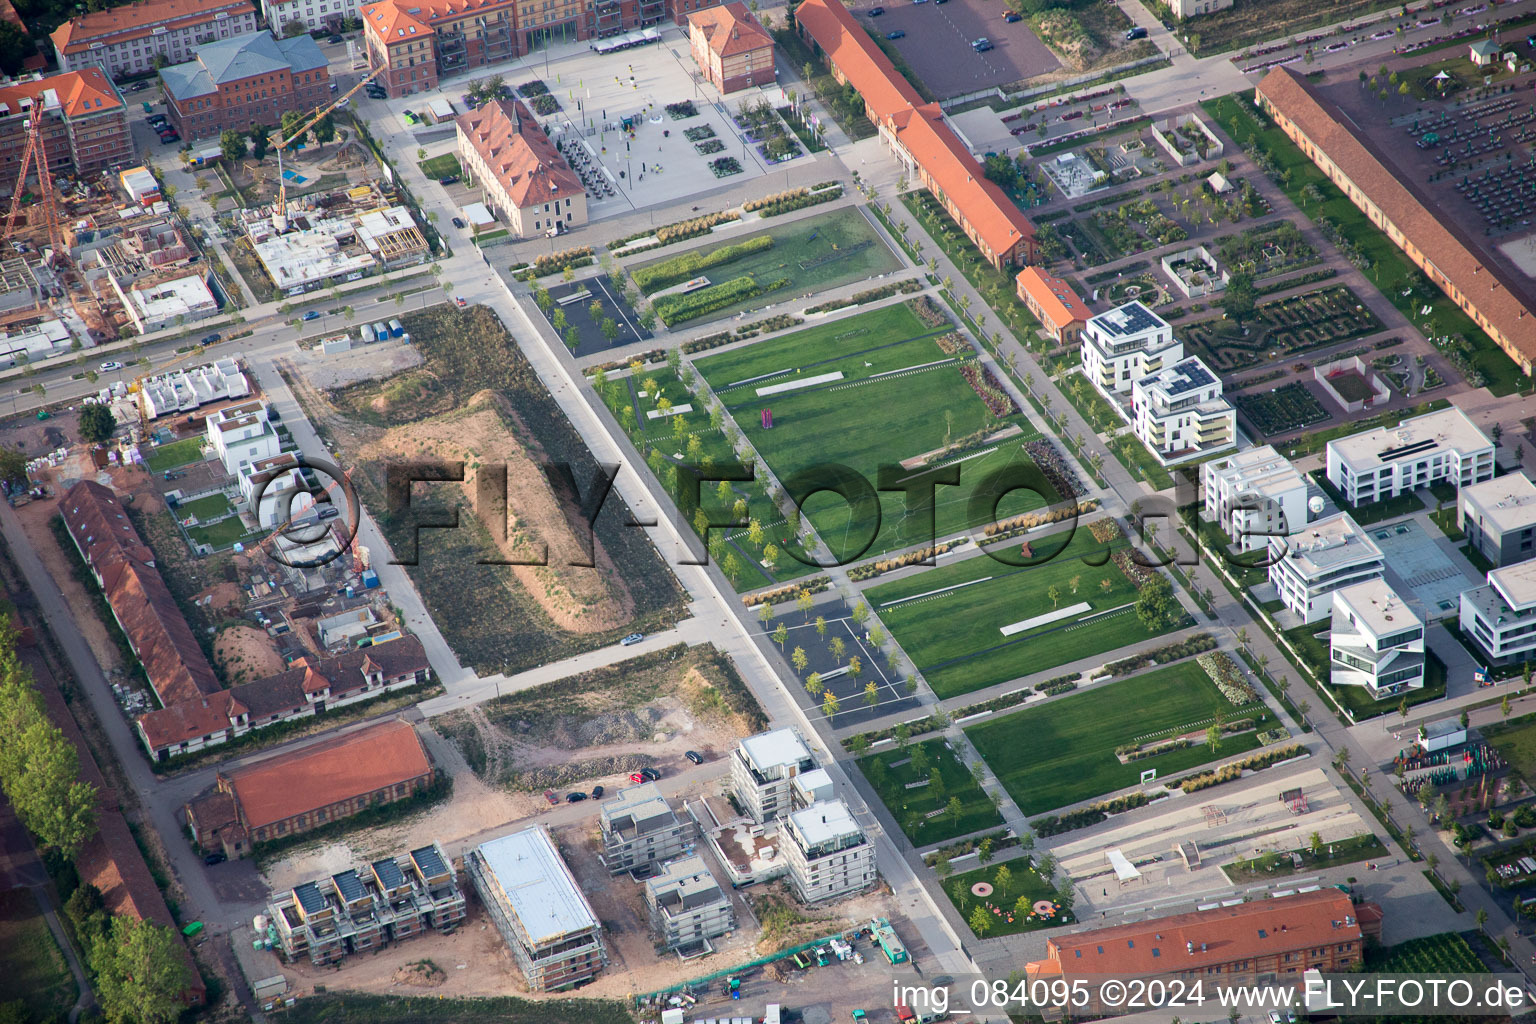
(36,154)
(280,211)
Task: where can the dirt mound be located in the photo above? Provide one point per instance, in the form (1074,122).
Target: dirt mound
(572,732)
(421,974)
(245,653)
(578,599)
(557,776)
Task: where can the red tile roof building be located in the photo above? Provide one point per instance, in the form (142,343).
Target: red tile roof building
(1281,937)
(1396,204)
(304,789)
(140,601)
(85,124)
(918,134)
(36,61)
(1053,303)
(731,47)
(519,172)
(125,40)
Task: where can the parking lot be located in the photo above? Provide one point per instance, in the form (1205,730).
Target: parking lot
(938,44)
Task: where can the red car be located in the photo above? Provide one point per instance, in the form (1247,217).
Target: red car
(549,795)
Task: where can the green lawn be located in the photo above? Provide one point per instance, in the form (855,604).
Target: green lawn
(1335,854)
(1063,752)
(1086,398)
(910,807)
(1375,511)
(1515,738)
(175,454)
(1445,519)
(221,534)
(440,166)
(1477,558)
(955,637)
(35,970)
(812,255)
(1025,882)
(1133,455)
(873,416)
(1311,641)
(1390,269)
(210,507)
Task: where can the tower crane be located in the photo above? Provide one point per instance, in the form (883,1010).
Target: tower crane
(280,211)
(36,154)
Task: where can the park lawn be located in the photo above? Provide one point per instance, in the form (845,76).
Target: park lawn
(954,638)
(1063,752)
(440,166)
(870,418)
(1091,404)
(1390,268)
(910,807)
(813,255)
(1446,953)
(221,534)
(1025,882)
(1515,739)
(210,507)
(1135,457)
(1373,512)
(35,970)
(176,454)
(1334,854)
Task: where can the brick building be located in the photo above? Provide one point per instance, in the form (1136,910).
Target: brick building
(520,173)
(244,81)
(125,40)
(297,791)
(85,124)
(1053,303)
(1267,940)
(731,47)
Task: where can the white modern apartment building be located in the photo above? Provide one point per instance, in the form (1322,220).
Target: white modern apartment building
(1501,615)
(1253,495)
(1376,640)
(240,435)
(687,906)
(763,769)
(1125,344)
(274,490)
(312,14)
(1179,414)
(1329,555)
(1381,463)
(640,829)
(1499,518)
(827,853)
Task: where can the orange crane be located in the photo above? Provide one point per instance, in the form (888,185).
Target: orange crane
(280,211)
(36,156)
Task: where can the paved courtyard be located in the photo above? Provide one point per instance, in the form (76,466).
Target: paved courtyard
(1421,573)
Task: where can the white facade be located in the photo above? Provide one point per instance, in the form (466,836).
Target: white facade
(1179,414)
(176,302)
(285,494)
(1125,344)
(241,435)
(1499,518)
(827,853)
(312,14)
(1192,8)
(1329,555)
(1376,641)
(763,767)
(1253,495)
(185,390)
(1501,616)
(1378,464)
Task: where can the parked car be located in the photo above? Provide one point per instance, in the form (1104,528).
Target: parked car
(166,140)
(214,858)
(650,774)
(329,511)
(597,792)
(139,87)
(458,300)
(575,798)
(549,795)
(313,314)
(334,39)
(1012,16)
(156,119)
(110,365)
(694,756)
(458,222)
(451,179)
(898,34)
(632,639)
(875,12)
(1136,33)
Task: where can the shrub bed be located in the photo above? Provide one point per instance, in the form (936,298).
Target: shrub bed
(873,294)
(914,728)
(554,263)
(1228,772)
(777,595)
(988,389)
(674,309)
(1196,644)
(795,199)
(1055,687)
(869,570)
(1001,840)
(929,312)
(1056,824)
(682,111)
(1227,677)
(777,322)
(683,229)
(682,268)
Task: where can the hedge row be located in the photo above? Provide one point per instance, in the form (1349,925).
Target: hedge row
(869,570)
(674,309)
(669,233)
(681,268)
(872,295)
(1229,772)
(814,585)
(1055,825)
(1197,644)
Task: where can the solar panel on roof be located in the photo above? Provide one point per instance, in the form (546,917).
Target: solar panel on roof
(1194,376)
(428,862)
(308,895)
(1131,318)
(349,886)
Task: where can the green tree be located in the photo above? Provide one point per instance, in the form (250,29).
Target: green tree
(984,851)
(610,328)
(813,684)
(1154,602)
(860,614)
(859,744)
(804,602)
(981,921)
(1213,737)
(261,141)
(1054,593)
(232,144)
(798,658)
(543,300)
(954,809)
(838,648)
(755,533)
(902,734)
(141,973)
(15,47)
(942,867)
(871,693)
(732,566)
(821,625)
(1315,844)
(13,466)
(1238,299)
(830,705)
(765,614)
(96,423)
(781,634)
(323,131)
(1504,708)
(855,667)
(1003,879)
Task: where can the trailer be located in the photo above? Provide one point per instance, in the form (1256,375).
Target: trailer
(368,336)
(396,329)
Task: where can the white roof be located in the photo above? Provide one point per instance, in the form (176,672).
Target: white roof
(441,109)
(165,300)
(478,214)
(1125,871)
(771,749)
(537,885)
(1447,429)
(1516,584)
(1505,502)
(1377,607)
(825,822)
(1328,544)
(1260,470)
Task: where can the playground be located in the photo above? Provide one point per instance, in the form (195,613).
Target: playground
(1002,621)
(812,255)
(871,390)
(1063,752)
(1019,900)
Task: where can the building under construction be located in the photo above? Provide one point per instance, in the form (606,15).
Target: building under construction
(367,907)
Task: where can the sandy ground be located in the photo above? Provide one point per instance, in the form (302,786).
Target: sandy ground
(245,653)
(363,362)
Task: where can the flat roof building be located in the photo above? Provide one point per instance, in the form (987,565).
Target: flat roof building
(1499,518)
(241,435)
(687,906)
(1053,303)
(155,304)
(1253,495)
(762,769)
(1179,414)
(1125,344)
(827,853)
(1328,555)
(1501,616)
(1376,641)
(640,829)
(1384,462)
(536,905)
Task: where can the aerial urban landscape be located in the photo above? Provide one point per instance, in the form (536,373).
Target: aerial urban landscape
(408,612)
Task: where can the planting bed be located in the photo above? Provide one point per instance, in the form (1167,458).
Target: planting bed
(1283,327)
(1282,410)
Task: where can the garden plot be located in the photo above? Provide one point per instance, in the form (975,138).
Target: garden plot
(475,399)
(951,619)
(1283,327)
(812,255)
(903,394)
(1266,250)
(1282,410)
(1134,227)
(1064,751)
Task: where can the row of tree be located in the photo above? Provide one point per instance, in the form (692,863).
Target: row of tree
(258,141)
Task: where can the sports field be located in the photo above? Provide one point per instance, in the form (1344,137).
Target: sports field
(924,812)
(1063,752)
(891,393)
(812,255)
(949,619)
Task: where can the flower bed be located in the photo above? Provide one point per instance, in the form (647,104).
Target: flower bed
(725,166)
(708,146)
(544,105)
(698,133)
(1056,687)
(682,111)
(929,312)
(533,87)
(1227,677)
(1053,467)
(987,387)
